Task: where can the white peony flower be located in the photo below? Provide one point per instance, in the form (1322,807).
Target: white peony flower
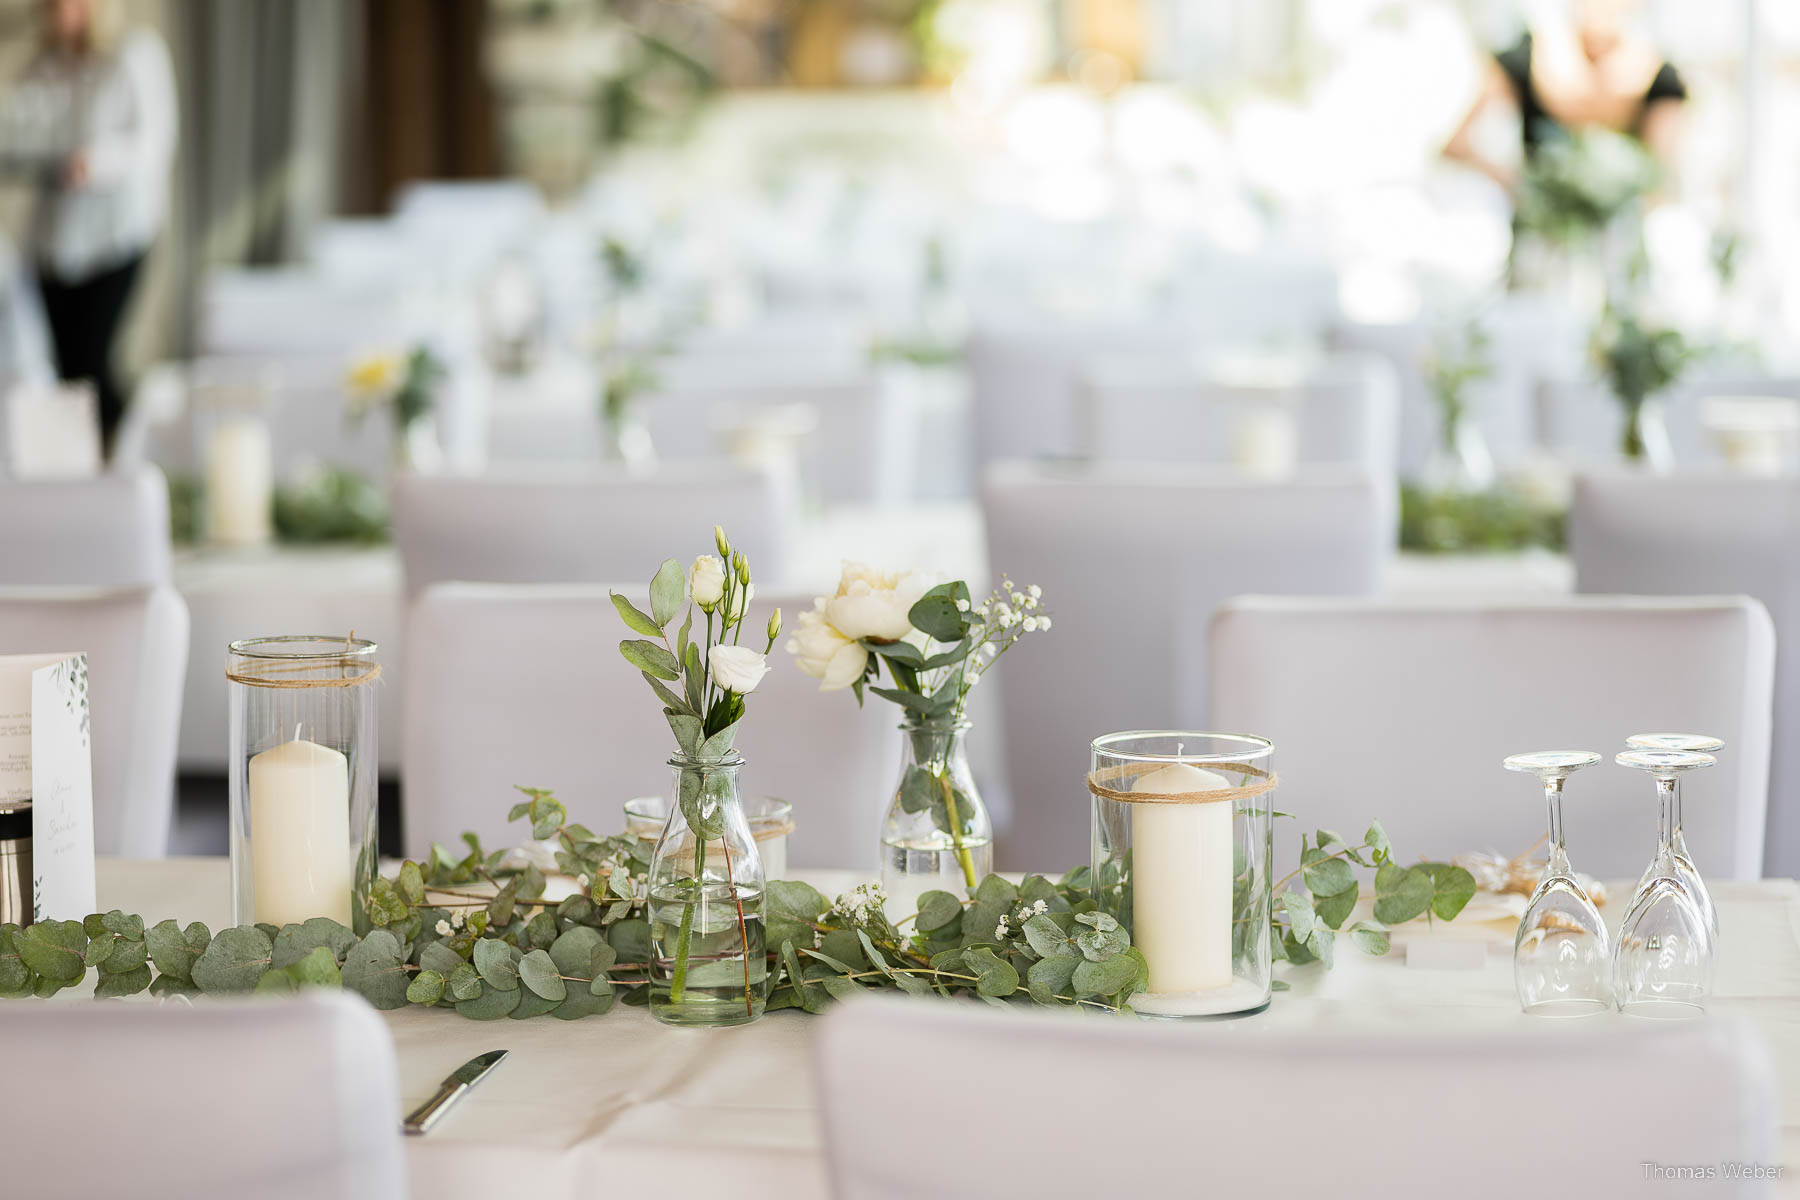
(737,668)
(706,581)
(875,604)
(824,653)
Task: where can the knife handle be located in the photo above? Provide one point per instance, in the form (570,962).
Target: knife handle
(421,1119)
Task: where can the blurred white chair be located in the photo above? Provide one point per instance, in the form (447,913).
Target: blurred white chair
(1672,534)
(1133,559)
(1025,373)
(526,686)
(1580,420)
(1402,713)
(137,647)
(296,311)
(1344,409)
(565,524)
(290,1099)
(1529,340)
(1190,1112)
(108,531)
(860,450)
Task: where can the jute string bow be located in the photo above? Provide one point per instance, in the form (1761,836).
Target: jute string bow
(1103,783)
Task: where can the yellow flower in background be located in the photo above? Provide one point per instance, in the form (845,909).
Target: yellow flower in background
(375,376)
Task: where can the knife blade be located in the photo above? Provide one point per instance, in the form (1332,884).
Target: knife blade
(454,1088)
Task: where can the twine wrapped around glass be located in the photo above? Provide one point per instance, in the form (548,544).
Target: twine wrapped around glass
(303,779)
(1182,856)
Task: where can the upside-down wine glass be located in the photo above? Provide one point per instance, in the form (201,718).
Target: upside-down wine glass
(1560,958)
(1684,862)
(1662,965)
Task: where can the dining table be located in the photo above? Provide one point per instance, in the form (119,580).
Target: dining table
(613,1102)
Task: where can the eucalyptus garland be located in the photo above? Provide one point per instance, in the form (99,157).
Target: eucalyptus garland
(477,934)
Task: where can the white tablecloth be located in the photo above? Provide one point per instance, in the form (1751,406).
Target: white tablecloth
(623,1095)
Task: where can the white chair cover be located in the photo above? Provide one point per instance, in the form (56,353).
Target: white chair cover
(1133,559)
(1024,376)
(1666,535)
(526,686)
(1202,1112)
(108,531)
(1185,408)
(1402,712)
(1582,421)
(860,451)
(564,524)
(289,1099)
(136,644)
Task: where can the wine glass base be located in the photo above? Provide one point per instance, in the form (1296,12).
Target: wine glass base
(1663,1010)
(1566,1008)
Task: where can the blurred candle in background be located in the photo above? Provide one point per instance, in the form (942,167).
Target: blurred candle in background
(240,482)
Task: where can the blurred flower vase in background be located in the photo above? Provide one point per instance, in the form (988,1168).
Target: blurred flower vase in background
(407,386)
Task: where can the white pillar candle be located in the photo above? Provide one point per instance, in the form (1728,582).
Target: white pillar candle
(1266,442)
(240,482)
(1181,872)
(300,833)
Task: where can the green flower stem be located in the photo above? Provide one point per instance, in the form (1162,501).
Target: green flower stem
(962,852)
(743,931)
(685,938)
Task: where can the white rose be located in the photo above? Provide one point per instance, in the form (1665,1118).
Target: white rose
(874,604)
(824,653)
(737,668)
(706,581)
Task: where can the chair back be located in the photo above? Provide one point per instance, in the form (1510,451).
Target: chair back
(1133,559)
(1403,711)
(1183,409)
(283,1099)
(1191,1111)
(557,523)
(525,686)
(1662,535)
(108,531)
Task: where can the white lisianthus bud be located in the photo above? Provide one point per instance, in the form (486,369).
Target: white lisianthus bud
(737,668)
(774,625)
(706,582)
(740,600)
(719,541)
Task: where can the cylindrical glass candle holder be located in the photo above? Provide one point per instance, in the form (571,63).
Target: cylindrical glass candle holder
(304,762)
(1183,851)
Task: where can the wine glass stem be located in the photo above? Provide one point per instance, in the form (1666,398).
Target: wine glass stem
(1559,859)
(1666,819)
(1675,830)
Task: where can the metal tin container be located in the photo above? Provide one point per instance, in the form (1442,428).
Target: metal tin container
(16,904)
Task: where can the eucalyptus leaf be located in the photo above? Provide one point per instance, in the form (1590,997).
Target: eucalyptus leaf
(1050,977)
(635,620)
(491,1005)
(464,982)
(1104,977)
(494,959)
(236,958)
(937,909)
(115,984)
(1401,893)
(1334,910)
(427,987)
(650,658)
(295,942)
(667,590)
(54,950)
(374,968)
(538,971)
(1369,937)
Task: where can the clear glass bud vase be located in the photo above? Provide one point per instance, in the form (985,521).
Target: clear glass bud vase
(937,835)
(707,963)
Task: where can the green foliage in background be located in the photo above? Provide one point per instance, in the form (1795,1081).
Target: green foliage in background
(1493,521)
(332,504)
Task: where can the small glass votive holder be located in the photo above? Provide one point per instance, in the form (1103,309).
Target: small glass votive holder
(771,819)
(303,779)
(1183,853)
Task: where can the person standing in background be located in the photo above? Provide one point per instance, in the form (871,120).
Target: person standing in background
(1583,63)
(106,103)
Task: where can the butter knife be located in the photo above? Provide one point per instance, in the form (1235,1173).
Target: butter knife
(454,1088)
